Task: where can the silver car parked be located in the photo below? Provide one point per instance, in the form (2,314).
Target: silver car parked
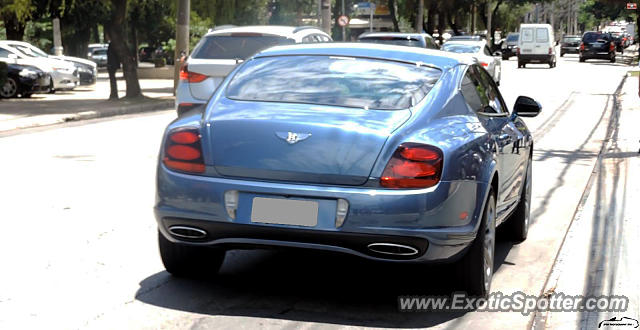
(222,49)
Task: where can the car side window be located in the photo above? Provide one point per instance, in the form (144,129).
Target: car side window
(308,39)
(496,104)
(4,53)
(473,92)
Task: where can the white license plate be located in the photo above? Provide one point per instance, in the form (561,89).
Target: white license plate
(284,211)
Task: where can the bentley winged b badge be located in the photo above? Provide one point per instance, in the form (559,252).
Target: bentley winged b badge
(292,137)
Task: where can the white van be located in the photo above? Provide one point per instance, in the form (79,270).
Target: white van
(536,45)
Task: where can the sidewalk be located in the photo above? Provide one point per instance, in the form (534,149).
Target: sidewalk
(600,255)
(84,102)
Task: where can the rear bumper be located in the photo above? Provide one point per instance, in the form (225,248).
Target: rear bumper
(508,52)
(426,220)
(596,55)
(570,50)
(535,58)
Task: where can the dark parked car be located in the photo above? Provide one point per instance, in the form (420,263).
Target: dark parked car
(597,45)
(394,154)
(25,80)
(145,54)
(422,40)
(510,45)
(570,45)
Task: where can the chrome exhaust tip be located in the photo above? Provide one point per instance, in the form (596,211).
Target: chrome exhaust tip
(187,232)
(392,249)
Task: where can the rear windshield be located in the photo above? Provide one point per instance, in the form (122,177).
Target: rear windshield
(235,47)
(526,34)
(401,41)
(460,48)
(542,35)
(330,80)
(512,37)
(594,36)
(100,52)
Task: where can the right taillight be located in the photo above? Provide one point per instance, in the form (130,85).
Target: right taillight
(413,165)
(518,50)
(183,151)
(191,77)
(582,46)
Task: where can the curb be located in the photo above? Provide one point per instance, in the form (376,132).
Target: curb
(49,120)
(123,110)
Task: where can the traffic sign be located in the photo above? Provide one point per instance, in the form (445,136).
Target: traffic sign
(632,5)
(343,20)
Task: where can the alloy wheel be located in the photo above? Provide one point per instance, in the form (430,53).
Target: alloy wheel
(489,245)
(9,89)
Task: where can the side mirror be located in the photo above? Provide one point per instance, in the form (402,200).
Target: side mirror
(497,53)
(526,107)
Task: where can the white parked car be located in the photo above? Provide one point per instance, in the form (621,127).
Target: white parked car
(222,49)
(536,45)
(480,51)
(85,70)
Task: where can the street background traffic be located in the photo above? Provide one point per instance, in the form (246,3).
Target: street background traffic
(79,239)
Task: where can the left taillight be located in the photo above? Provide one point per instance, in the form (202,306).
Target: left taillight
(183,151)
(190,76)
(413,166)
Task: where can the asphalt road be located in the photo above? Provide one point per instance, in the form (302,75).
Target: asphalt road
(78,240)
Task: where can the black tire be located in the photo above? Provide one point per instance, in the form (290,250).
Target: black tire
(10,88)
(518,223)
(582,59)
(561,54)
(189,261)
(472,270)
(505,58)
(613,59)
(26,95)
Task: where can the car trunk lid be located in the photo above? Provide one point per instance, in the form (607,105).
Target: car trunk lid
(298,142)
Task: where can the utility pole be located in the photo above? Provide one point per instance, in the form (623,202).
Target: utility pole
(182,38)
(57,38)
(326,16)
(489,36)
(344,31)
(569,12)
(420,16)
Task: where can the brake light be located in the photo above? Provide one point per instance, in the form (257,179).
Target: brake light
(612,46)
(550,50)
(582,46)
(518,51)
(413,165)
(183,151)
(191,77)
(484,64)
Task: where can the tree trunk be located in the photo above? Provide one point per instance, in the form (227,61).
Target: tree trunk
(431,18)
(441,25)
(392,9)
(119,41)
(14,28)
(494,25)
(453,24)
